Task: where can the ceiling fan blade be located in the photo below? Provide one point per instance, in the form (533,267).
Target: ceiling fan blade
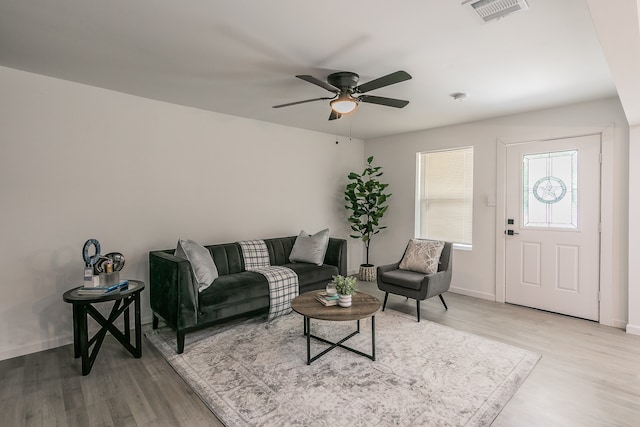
(389,79)
(334,115)
(319,82)
(301,102)
(389,102)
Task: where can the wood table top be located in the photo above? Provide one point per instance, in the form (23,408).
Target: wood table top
(71,296)
(362,305)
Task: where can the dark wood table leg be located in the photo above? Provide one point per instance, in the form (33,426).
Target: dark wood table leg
(138,326)
(77,318)
(373,337)
(83,335)
(127,324)
(307,327)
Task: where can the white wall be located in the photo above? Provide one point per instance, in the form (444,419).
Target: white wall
(80,162)
(474,271)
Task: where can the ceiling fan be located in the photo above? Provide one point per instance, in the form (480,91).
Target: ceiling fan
(344,85)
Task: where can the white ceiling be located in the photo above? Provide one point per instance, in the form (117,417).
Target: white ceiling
(240,57)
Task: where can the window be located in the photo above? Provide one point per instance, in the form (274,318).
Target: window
(445,195)
(550,190)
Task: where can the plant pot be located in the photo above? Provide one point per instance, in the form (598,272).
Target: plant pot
(367,273)
(344,300)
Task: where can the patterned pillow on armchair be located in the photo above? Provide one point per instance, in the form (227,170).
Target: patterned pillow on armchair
(422,256)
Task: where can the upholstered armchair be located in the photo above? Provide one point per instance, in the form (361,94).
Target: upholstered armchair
(416,283)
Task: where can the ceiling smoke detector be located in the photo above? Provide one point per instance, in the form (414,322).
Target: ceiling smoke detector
(459,96)
(489,10)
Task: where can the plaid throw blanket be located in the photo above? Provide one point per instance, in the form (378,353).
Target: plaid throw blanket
(255,254)
(283,282)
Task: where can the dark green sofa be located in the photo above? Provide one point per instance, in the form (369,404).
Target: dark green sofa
(235,292)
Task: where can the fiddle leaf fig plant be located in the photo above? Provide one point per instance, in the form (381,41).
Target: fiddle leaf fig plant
(367,202)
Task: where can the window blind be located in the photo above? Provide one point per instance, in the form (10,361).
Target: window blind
(445,208)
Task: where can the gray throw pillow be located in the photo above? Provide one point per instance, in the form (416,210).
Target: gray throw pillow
(310,248)
(204,269)
(422,256)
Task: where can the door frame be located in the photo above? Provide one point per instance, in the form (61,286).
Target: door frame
(606,209)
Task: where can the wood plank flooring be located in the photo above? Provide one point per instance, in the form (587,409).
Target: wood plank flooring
(589,375)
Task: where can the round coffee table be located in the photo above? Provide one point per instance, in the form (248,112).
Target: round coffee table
(362,306)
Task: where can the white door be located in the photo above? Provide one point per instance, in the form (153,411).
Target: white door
(552,258)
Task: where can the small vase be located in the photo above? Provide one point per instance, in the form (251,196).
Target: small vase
(344,300)
(331,289)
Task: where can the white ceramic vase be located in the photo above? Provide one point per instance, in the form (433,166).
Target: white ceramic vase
(344,300)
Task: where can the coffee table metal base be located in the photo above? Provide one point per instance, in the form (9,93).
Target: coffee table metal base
(307,332)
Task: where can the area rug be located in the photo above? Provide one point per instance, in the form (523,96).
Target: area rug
(254,373)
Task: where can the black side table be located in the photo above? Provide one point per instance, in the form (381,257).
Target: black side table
(83,306)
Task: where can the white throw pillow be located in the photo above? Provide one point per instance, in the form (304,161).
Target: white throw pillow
(310,248)
(422,256)
(202,264)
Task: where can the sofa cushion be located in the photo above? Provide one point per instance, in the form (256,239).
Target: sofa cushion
(311,273)
(310,248)
(234,288)
(422,256)
(204,269)
(228,258)
(280,249)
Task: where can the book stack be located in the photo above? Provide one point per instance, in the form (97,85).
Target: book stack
(103,290)
(326,299)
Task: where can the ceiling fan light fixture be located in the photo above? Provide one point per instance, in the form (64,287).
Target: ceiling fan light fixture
(344,104)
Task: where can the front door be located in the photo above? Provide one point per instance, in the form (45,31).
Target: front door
(552,231)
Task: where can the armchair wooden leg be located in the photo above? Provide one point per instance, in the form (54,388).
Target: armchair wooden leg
(155,322)
(386,295)
(418,308)
(444,303)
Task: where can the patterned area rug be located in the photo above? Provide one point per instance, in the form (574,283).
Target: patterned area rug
(254,373)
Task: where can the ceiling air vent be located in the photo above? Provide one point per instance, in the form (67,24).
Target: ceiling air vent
(489,10)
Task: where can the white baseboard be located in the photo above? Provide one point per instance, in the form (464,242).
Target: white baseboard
(617,323)
(633,329)
(36,347)
(472,293)
(52,343)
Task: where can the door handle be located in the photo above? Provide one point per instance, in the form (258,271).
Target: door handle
(510,232)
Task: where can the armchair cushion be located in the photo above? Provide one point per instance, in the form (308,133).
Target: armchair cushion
(403,278)
(422,256)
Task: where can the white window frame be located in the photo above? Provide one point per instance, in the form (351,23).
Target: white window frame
(418,200)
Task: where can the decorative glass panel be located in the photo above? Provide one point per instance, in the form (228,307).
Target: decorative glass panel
(550,190)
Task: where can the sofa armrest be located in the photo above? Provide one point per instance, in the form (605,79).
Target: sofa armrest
(337,255)
(171,289)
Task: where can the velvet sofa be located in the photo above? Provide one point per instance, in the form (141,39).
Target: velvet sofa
(236,292)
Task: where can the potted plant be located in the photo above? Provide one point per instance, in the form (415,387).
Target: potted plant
(367,202)
(346,287)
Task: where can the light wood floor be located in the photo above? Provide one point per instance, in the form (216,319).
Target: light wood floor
(589,375)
